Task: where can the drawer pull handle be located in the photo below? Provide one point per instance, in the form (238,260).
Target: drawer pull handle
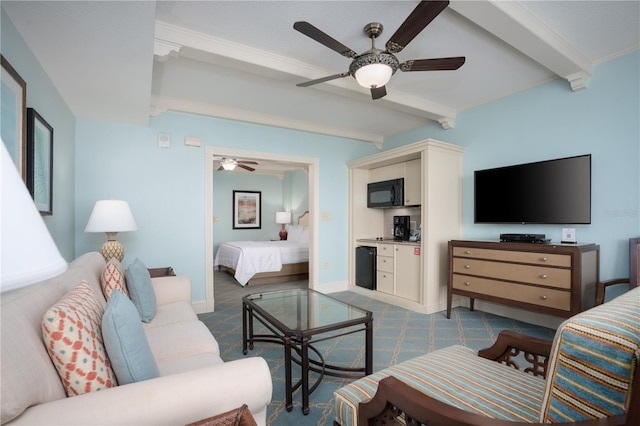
(467,266)
(543,259)
(543,297)
(467,252)
(467,283)
(543,276)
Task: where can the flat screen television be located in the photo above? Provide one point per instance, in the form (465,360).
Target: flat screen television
(545,192)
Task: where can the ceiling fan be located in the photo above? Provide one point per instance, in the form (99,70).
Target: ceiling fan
(373,68)
(229,164)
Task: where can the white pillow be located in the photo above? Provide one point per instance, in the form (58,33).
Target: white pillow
(294,233)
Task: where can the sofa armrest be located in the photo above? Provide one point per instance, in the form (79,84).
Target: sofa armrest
(509,345)
(171,289)
(395,397)
(175,399)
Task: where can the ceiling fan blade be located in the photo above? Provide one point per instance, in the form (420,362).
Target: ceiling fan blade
(247,162)
(378,92)
(220,168)
(323,79)
(242,166)
(439,64)
(323,38)
(421,16)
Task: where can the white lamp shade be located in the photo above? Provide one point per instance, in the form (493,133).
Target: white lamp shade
(374,75)
(28,252)
(111,216)
(283,217)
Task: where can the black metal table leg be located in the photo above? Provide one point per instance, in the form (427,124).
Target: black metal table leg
(368,365)
(305,375)
(287,374)
(245,312)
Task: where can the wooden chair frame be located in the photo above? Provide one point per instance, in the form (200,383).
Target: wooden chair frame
(634,272)
(395,397)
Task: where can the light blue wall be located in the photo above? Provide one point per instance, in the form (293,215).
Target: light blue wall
(296,193)
(45,99)
(224,183)
(165,187)
(551,121)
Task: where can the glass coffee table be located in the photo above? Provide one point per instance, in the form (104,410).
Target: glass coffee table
(295,317)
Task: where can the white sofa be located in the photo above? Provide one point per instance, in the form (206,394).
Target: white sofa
(194,381)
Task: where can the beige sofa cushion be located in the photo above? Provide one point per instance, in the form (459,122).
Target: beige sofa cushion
(180,340)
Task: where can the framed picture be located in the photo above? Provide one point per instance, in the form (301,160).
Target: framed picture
(247,209)
(13,91)
(40,161)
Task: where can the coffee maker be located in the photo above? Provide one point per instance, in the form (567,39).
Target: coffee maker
(401,228)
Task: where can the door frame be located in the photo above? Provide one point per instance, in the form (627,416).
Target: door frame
(312,166)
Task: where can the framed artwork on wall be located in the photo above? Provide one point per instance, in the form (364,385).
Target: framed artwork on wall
(13,91)
(40,161)
(247,209)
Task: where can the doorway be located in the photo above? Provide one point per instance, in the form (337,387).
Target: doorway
(309,163)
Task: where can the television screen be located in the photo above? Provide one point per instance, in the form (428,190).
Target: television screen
(546,192)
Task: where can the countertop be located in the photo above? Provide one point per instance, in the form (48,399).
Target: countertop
(387,241)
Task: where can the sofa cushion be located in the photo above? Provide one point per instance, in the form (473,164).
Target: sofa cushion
(188,363)
(592,362)
(456,376)
(140,289)
(125,341)
(112,278)
(180,340)
(71,332)
(171,313)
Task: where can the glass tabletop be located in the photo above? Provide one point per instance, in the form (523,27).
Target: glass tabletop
(305,310)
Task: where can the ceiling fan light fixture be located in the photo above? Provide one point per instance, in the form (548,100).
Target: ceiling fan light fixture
(228,164)
(374,75)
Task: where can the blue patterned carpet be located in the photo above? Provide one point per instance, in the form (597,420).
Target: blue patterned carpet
(399,335)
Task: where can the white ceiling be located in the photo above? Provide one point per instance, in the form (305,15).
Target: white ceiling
(124,61)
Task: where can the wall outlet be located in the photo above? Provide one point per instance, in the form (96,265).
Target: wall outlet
(568,235)
(325,265)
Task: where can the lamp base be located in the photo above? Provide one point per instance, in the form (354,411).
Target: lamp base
(112,248)
(283,233)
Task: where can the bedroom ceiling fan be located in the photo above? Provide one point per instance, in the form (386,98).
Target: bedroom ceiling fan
(229,164)
(373,68)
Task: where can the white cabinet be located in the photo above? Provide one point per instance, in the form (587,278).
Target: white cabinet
(433,180)
(412,183)
(407,272)
(398,270)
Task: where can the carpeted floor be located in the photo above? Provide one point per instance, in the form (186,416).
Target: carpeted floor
(399,335)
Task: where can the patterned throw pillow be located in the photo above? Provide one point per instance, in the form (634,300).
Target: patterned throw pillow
(71,331)
(112,278)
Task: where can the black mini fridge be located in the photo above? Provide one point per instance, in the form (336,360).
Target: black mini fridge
(366,267)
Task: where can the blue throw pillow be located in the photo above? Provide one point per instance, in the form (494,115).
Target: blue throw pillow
(125,341)
(140,290)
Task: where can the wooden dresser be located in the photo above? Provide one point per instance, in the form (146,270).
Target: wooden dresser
(554,279)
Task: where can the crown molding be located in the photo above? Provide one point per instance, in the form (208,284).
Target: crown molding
(161,104)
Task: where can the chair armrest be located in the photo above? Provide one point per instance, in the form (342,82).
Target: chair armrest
(510,344)
(601,287)
(395,397)
(172,289)
(175,399)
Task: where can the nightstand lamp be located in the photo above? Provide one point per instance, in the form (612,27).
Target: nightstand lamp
(111,217)
(283,218)
(29,254)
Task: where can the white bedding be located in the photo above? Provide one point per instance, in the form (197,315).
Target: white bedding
(252,257)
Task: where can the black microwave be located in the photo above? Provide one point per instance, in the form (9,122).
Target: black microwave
(389,193)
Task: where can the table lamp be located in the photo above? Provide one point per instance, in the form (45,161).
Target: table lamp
(283,218)
(111,217)
(28,252)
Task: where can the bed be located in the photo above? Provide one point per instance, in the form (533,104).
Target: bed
(264,262)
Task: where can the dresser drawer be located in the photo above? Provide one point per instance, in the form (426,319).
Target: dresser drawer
(550,298)
(562,260)
(384,282)
(384,263)
(552,277)
(385,249)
